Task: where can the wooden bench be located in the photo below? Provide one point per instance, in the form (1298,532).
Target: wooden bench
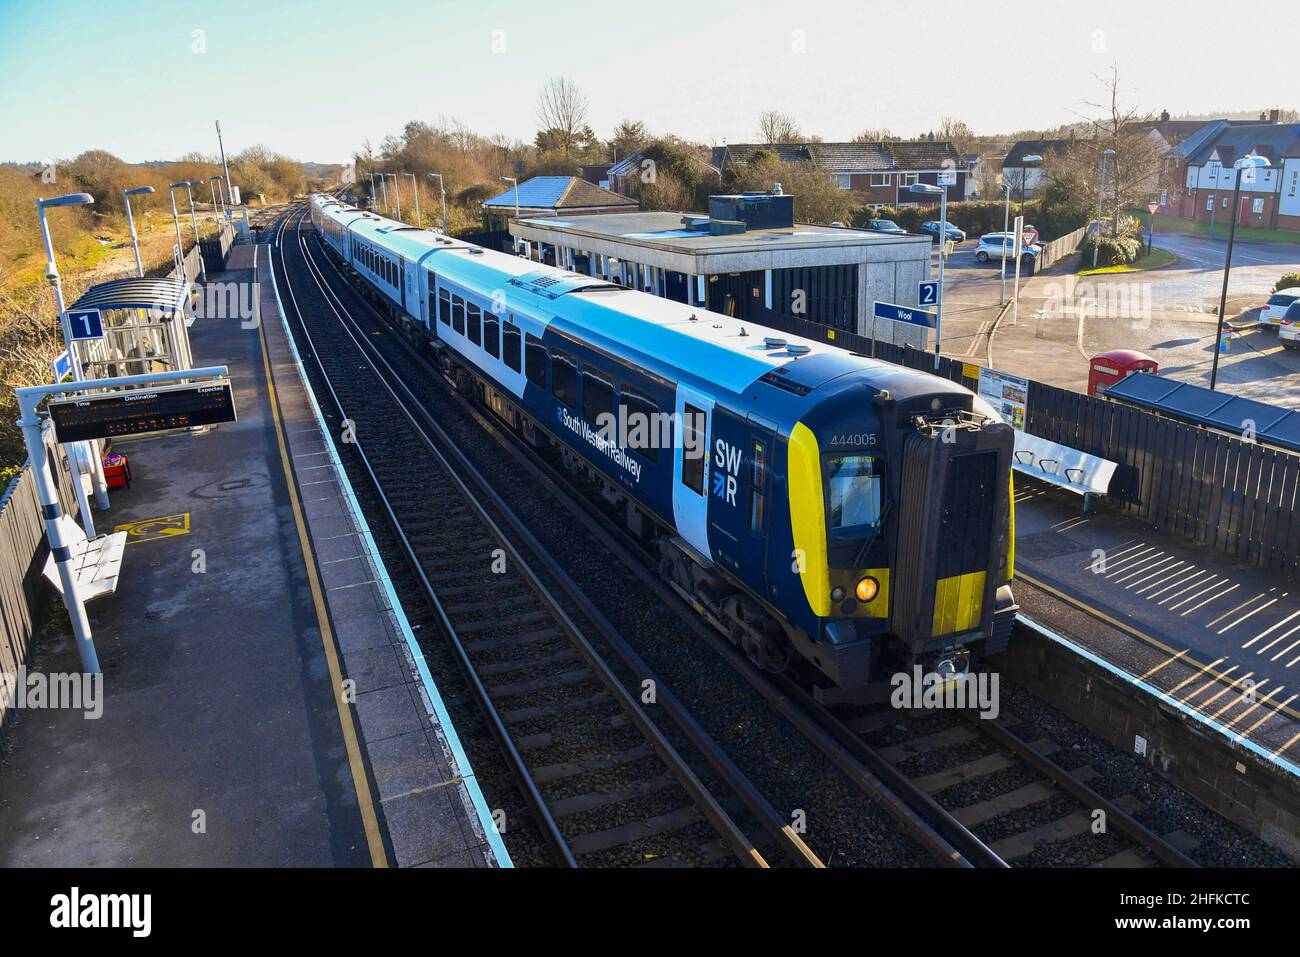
(1064,467)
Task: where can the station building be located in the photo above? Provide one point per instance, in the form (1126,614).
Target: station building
(747,258)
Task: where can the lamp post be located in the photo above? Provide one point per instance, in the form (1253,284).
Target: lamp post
(56,282)
(1101,191)
(230,193)
(397,192)
(928,190)
(130,223)
(194,221)
(221,198)
(443,193)
(415,191)
(514,243)
(383,186)
(1250,162)
(1006,220)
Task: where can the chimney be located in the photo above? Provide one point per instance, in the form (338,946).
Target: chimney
(1263,117)
(1164,116)
(1273,116)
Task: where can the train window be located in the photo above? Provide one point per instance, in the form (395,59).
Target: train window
(694,450)
(597,398)
(444,306)
(458,314)
(475,316)
(492,334)
(757,477)
(535,361)
(564,378)
(641,423)
(510,344)
(854,484)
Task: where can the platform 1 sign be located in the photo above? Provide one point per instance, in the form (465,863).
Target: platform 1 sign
(908,314)
(140,411)
(86,323)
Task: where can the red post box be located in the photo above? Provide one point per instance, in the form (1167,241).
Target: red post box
(1106,369)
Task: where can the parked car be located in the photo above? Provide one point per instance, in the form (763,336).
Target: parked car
(886,226)
(1288,327)
(991,245)
(1278,305)
(952,233)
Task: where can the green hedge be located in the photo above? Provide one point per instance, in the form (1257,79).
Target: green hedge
(1112,251)
(1286,282)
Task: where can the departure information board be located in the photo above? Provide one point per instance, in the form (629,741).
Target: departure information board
(139,411)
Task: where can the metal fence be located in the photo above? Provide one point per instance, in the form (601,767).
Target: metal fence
(1218,490)
(23,547)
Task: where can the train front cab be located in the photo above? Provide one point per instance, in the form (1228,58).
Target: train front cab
(906,542)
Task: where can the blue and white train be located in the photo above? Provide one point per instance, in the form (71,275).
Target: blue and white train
(821,506)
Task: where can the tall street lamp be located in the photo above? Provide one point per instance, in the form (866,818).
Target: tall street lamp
(1101,191)
(415,191)
(91,449)
(1006,219)
(514,243)
(383,185)
(928,190)
(1251,162)
(130,223)
(176,221)
(221,199)
(443,193)
(194,221)
(397,192)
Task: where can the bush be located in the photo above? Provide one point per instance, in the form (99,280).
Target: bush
(976,218)
(1112,251)
(1286,282)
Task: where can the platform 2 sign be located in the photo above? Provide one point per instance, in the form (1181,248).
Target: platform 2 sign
(140,411)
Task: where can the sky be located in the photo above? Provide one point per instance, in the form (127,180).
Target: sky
(145,79)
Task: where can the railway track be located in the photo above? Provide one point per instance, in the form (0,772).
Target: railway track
(939,822)
(603,784)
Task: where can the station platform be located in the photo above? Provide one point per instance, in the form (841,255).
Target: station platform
(263,701)
(1219,637)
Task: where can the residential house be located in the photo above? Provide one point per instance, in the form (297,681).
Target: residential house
(880,174)
(626,174)
(553,196)
(1268,196)
(1024,175)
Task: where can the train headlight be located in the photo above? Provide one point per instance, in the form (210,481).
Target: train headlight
(866,589)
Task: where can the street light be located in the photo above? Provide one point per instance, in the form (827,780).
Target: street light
(383,185)
(221,198)
(52,274)
(176,221)
(130,223)
(443,193)
(1006,218)
(194,221)
(415,191)
(1251,162)
(928,190)
(514,243)
(1101,190)
(397,191)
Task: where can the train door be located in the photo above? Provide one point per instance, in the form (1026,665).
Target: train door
(692,418)
(760,494)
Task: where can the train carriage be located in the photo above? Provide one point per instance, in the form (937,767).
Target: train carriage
(826,508)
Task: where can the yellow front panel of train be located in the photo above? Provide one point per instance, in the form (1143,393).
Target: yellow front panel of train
(958,604)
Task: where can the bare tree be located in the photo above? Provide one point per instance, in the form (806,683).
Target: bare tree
(956,132)
(875,135)
(562,111)
(777,127)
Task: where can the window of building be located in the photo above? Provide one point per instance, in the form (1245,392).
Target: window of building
(641,418)
(597,397)
(564,378)
(511,346)
(843,181)
(535,361)
(1257,206)
(1209,203)
(1225,202)
(879,179)
(458,314)
(694,440)
(908,179)
(475,316)
(492,334)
